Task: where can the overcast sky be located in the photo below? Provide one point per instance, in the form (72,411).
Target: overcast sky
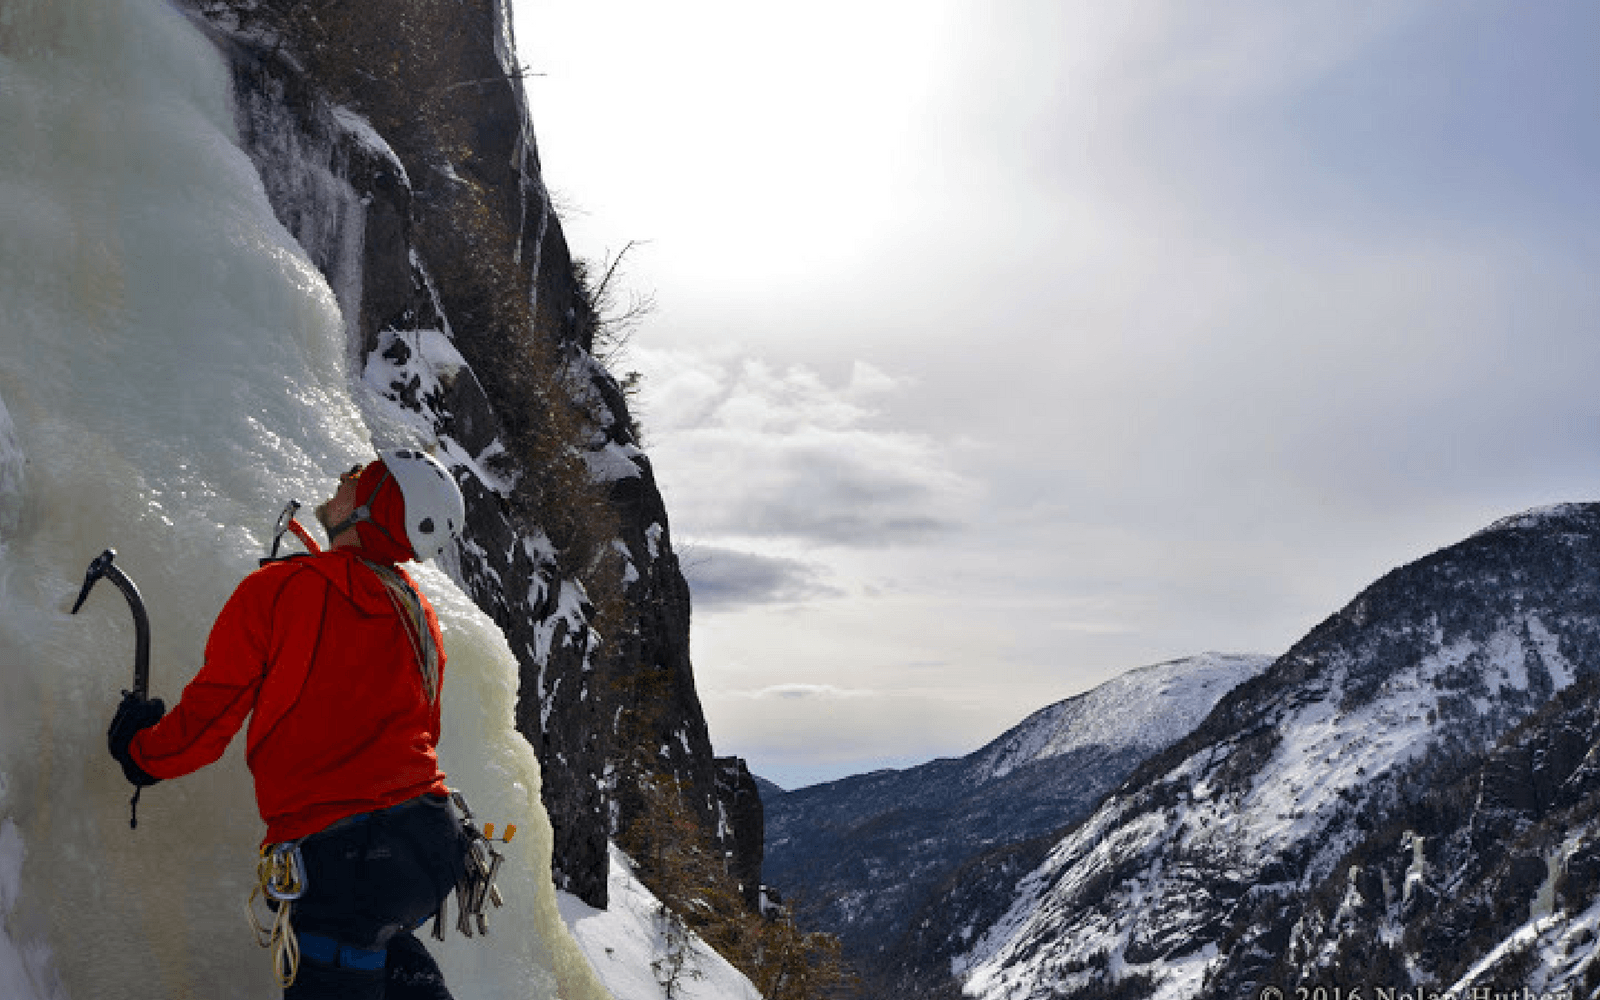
(1001,347)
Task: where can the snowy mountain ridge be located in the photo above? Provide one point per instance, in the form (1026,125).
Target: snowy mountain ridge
(870,854)
(1534,517)
(1190,879)
(1147,707)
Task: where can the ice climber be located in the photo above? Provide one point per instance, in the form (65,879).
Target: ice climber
(337,658)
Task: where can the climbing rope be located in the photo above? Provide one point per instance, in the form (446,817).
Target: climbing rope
(408,606)
(281,879)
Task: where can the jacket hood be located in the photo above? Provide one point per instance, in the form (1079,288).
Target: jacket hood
(346,570)
(384,537)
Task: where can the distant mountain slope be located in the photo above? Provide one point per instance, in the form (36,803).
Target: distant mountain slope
(1150,708)
(1194,878)
(863,853)
(1490,881)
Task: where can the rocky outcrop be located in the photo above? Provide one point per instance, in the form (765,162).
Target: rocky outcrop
(1489,881)
(745,824)
(394,144)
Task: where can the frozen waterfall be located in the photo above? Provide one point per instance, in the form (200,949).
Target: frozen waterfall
(172,369)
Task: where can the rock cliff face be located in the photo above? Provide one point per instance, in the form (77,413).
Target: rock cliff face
(744,817)
(394,144)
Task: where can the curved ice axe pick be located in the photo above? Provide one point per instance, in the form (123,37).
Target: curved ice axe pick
(103,566)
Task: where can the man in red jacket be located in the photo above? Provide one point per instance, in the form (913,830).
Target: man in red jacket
(338,660)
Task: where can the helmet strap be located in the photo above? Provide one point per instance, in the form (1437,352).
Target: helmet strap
(363,515)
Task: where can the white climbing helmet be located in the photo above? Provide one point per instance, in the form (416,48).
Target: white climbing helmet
(435,509)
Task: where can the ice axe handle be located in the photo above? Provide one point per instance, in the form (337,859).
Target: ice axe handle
(104,566)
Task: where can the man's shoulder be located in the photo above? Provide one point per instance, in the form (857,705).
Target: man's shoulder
(267,591)
(273,576)
(284,566)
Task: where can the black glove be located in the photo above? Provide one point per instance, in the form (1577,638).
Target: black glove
(135,713)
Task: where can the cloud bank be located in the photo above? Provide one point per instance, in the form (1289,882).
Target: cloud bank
(723,579)
(784,457)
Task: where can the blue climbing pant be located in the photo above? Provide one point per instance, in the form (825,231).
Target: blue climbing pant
(370,881)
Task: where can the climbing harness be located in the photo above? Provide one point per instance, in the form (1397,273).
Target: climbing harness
(476,889)
(281,879)
(103,566)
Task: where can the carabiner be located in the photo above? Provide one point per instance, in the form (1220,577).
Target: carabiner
(283,872)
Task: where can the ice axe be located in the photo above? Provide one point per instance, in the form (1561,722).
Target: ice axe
(103,566)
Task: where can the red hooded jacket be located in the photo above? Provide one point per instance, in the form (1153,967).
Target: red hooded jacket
(316,648)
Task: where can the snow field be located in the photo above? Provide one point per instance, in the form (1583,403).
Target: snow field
(623,941)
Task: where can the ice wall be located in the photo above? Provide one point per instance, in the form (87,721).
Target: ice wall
(171,370)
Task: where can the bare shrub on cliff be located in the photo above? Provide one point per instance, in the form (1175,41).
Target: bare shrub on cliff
(614,316)
(677,858)
(680,863)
